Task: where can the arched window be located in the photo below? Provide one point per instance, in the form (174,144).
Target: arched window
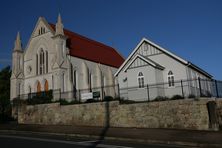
(46,52)
(38,87)
(46,86)
(140,80)
(74,79)
(30,92)
(37,67)
(63,82)
(52,82)
(170,79)
(90,82)
(41,62)
(19,89)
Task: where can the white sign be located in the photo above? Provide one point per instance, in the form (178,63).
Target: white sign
(86,96)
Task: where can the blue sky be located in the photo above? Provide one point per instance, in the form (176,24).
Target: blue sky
(192,29)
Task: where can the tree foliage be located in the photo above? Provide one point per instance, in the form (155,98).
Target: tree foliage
(5,75)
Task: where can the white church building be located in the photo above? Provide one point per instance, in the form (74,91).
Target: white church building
(154,71)
(61,60)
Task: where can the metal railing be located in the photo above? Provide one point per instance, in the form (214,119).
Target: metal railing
(194,88)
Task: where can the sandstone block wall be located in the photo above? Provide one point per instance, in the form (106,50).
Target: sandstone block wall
(181,114)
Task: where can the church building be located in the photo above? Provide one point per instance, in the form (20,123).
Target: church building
(63,61)
(151,71)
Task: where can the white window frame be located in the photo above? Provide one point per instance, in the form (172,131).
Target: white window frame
(140,80)
(170,79)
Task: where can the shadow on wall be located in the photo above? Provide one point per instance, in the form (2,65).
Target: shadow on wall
(106,127)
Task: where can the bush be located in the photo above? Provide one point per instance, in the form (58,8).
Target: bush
(127,101)
(161,98)
(65,102)
(191,96)
(176,97)
(41,98)
(17,101)
(108,98)
(91,101)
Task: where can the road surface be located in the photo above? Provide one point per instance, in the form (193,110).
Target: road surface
(43,141)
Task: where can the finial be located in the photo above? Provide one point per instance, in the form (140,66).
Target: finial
(59,26)
(18,44)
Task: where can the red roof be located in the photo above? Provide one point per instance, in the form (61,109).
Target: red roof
(91,50)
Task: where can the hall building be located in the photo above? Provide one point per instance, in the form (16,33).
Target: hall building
(60,60)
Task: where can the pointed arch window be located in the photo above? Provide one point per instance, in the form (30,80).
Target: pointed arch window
(52,82)
(41,62)
(46,86)
(38,87)
(30,92)
(46,54)
(90,82)
(37,67)
(170,79)
(63,82)
(140,80)
(74,79)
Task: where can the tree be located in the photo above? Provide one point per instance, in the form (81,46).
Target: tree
(5,106)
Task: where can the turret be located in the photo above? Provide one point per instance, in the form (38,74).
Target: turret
(60,41)
(17,69)
(17,56)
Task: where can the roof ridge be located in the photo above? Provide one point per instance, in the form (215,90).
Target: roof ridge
(83,37)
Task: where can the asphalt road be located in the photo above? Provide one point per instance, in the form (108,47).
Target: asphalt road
(42,141)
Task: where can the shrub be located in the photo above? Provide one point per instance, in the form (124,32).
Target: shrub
(161,98)
(191,96)
(176,97)
(65,102)
(91,101)
(17,101)
(127,101)
(108,98)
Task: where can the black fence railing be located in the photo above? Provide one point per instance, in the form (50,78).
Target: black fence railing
(150,92)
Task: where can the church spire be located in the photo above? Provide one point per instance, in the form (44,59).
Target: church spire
(59,26)
(18,44)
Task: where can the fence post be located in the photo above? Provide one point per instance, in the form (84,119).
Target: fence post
(216,88)
(148,93)
(200,86)
(182,88)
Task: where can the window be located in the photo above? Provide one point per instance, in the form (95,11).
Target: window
(41,61)
(90,82)
(46,61)
(170,79)
(63,82)
(38,87)
(41,30)
(52,83)
(46,86)
(37,67)
(141,80)
(42,66)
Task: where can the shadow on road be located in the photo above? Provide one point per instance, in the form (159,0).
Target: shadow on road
(106,127)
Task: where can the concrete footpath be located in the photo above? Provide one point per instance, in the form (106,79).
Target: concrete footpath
(152,136)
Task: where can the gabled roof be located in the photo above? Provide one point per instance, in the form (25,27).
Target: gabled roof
(147,60)
(91,50)
(187,63)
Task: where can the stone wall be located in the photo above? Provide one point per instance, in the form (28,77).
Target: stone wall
(181,114)
(219,112)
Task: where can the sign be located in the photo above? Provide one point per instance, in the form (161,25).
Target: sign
(96,94)
(85,96)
